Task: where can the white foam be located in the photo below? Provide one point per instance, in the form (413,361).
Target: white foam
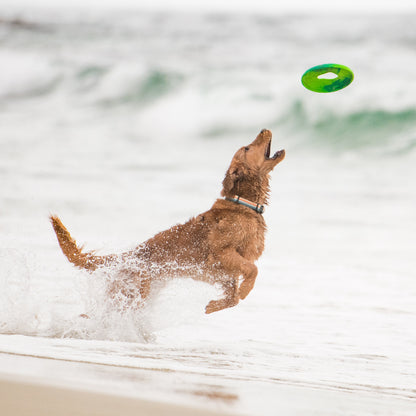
(23,74)
(82,307)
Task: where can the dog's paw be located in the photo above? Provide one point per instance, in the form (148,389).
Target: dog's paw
(218,305)
(212,307)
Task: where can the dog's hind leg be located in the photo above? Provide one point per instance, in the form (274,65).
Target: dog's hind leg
(231,297)
(129,289)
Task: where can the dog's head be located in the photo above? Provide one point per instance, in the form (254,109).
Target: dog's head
(248,174)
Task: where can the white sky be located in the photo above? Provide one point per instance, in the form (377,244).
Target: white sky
(236,6)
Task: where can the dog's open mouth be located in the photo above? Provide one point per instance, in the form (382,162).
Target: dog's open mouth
(267,152)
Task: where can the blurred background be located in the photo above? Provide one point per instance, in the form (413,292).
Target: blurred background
(122,119)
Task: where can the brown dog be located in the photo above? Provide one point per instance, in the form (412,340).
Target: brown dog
(217,246)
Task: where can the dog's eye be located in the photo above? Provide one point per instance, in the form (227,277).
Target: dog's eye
(247,149)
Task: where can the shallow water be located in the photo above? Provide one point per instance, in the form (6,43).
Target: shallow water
(124,125)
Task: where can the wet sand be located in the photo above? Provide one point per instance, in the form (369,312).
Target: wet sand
(34,386)
(24,398)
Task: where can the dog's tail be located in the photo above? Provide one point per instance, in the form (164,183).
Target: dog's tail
(74,253)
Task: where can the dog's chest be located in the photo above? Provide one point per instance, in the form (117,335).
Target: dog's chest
(252,244)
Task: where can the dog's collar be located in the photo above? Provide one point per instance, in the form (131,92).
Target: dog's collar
(254,206)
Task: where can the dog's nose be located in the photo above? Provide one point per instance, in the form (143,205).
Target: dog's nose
(263,131)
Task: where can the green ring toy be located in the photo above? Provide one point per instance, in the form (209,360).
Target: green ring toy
(313,81)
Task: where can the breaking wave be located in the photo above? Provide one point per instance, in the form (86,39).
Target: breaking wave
(161,67)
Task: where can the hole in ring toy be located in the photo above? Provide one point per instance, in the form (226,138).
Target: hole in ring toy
(320,79)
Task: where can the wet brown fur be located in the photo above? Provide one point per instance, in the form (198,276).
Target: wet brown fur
(218,246)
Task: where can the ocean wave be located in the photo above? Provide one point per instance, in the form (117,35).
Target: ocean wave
(212,78)
(25,75)
(377,128)
(144,90)
(368,128)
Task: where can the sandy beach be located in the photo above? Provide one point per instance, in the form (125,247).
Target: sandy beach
(20,397)
(32,386)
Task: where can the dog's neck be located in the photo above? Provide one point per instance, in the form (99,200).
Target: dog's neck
(245,202)
(253,188)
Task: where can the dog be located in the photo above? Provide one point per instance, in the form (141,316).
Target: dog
(219,246)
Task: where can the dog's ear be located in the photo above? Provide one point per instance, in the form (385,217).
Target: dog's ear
(228,182)
(235,173)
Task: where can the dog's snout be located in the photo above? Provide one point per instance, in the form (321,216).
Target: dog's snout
(262,137)
(265,132)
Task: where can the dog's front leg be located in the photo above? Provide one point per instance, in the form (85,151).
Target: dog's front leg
(248,283)
(234,265)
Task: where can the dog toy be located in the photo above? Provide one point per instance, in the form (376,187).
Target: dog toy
(327,78)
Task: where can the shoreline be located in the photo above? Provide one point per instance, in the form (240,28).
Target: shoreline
(31,386)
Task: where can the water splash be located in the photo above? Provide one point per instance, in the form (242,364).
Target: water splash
(83,308)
